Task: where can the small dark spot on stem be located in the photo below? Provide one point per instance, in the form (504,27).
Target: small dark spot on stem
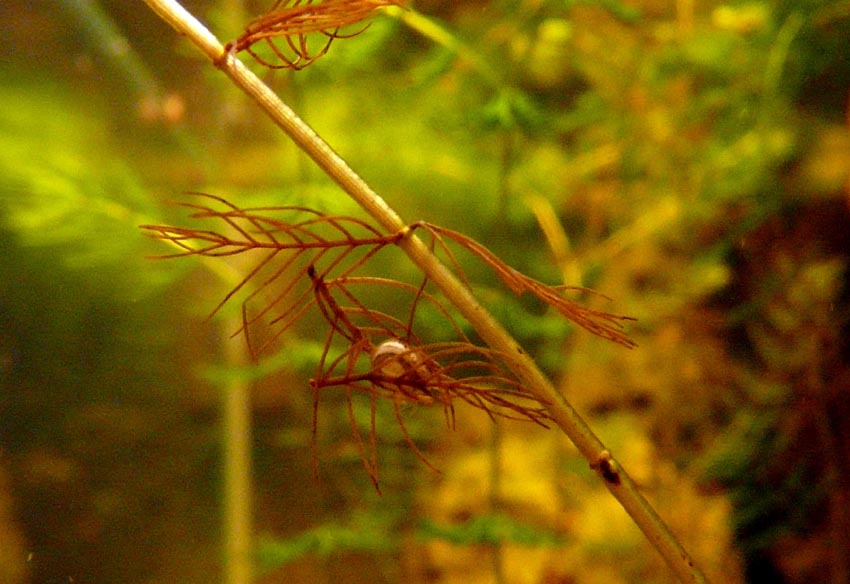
(402,234)
(607,467)
(221,60)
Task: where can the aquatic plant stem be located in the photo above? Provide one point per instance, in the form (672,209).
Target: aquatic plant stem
(614,477)
(238,491)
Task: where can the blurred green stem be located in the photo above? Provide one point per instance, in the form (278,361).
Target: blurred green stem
(565,416)
(778,55)
(439,35)
(107,39)
(236,428)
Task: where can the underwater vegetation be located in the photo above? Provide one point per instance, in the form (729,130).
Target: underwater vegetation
(313,260)
(305,396)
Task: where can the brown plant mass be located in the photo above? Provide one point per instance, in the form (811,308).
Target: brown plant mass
(286,29)
(305,259)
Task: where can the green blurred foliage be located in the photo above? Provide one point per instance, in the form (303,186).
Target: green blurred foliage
(55,197)
(368,534)
(489,529)
(94,428)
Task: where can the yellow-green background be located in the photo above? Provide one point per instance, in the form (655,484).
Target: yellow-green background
(689,160)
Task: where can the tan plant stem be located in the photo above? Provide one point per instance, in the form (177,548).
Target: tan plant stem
(238,498)
(614,477)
